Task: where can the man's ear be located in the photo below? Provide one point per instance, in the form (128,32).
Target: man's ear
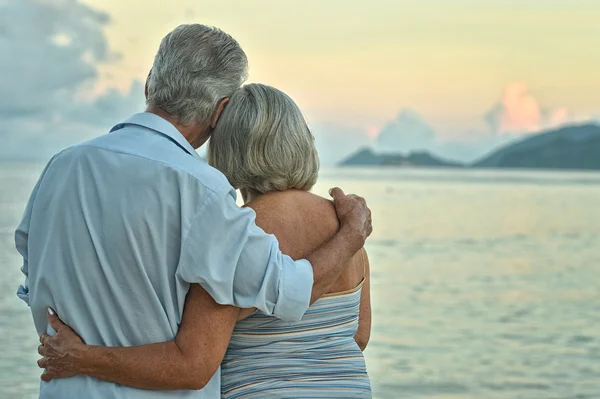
(218,111)
(146,86)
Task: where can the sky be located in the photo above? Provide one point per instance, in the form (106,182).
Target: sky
(456,78)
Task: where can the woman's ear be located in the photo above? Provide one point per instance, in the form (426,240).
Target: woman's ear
(218,111)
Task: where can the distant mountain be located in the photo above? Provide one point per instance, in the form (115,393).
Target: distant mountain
(573,147)
(367,157)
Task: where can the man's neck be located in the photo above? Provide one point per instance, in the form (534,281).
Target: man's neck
(189,132)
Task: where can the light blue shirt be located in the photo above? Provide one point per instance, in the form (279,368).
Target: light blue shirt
(116,230)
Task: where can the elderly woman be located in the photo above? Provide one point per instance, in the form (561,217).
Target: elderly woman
(264,147)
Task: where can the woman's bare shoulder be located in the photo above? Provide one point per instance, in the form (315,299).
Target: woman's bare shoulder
(296,210)
(302,222)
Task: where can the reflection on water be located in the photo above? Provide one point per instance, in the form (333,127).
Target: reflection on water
(485,284)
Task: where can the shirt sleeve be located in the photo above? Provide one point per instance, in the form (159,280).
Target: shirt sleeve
(22,236)
(238,264)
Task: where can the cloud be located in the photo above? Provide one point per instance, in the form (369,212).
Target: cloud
(407,132)
(558,116)
(52,49)
(410,132)
(58,46)
(518,111)
(102,110)
(516,114)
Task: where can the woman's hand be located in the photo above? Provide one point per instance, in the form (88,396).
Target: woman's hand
(186,363)
(59,351)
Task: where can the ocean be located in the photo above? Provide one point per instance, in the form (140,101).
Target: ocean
(485,283)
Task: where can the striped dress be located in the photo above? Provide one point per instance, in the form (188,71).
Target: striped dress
(316,357)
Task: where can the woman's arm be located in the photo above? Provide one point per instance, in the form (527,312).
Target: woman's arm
(192,358)
(188,362)
(364,318)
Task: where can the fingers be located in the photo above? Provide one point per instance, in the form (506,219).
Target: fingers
(42,363)
(43,338)
(54,321)
(369,221)
(336,193)
(46,376)
(357,198)
(352,210)
(42,350)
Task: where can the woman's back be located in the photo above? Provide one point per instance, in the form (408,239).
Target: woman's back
(317,356)
(302,222)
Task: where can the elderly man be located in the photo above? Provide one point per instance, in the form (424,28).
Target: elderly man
(118,228)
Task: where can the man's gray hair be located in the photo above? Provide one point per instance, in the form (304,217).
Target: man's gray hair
(262,142)
(195,67)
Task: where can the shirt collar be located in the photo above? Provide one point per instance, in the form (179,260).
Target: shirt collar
(154,122)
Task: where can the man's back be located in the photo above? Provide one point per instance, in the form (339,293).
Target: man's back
(104,243)
(117,229)
(104,246)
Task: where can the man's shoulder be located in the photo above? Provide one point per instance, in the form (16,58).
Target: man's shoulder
(204,174)
(169,158)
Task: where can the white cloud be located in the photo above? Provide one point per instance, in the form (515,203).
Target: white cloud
(410,132)
(51,51)
(407,132)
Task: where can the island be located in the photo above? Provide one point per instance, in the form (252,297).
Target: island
(367,157)
(569,147)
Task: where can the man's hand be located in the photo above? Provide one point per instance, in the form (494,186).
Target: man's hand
(354,216)
(330,260)
(58,350)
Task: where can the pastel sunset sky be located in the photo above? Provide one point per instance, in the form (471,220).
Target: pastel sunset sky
(359,62)
(466,69)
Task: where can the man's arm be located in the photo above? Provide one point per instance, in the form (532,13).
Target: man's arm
(188,362)
(22,238)
(329,260)
(21,243)
(191,359)
(239,264)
